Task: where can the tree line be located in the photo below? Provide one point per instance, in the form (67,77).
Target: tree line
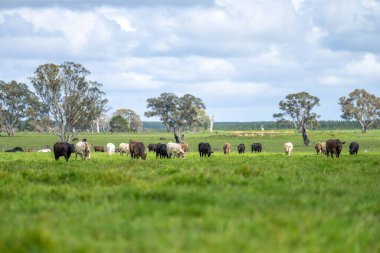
(65,101)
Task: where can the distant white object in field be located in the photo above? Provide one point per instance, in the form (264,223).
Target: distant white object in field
(45,150)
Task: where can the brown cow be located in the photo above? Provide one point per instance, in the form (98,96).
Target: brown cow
(320,147)
(98,148)
(334,147)
(137,149)
(185,147)
(227,149)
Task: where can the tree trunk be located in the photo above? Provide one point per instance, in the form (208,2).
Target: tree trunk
(212,124)
(364,129)
(177,136)
(97,125)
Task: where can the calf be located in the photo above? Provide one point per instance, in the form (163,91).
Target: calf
(241,148)
(124,148)
(82,148)
(354,147)
(288,147)
(320,148)
(334,147)
(15,149)
(185,147)
(256,147)
(204,149)
(110,148)
(227,149)
(137,149)
(175,149)
(98,148)
(63,149)
(152,147)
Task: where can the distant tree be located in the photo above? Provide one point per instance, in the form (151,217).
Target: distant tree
(134,121)
(202,121)
(175,112)
(16,103)
(361,106)
(297,109)
(73,102)
(118,124)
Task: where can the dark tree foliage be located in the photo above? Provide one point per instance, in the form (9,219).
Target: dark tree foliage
(175,112)
(118,124)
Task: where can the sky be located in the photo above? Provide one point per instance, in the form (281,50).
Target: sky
(241,57)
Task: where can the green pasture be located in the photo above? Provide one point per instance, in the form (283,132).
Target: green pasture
(265,202)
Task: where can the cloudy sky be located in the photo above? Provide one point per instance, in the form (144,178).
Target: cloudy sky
(241,57)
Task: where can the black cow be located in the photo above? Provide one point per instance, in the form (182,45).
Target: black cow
(256,147)
(354,147)
(137,149)
(63,149)
(334,147)
(241,148)
(204,149)
(15,149)
(161,150)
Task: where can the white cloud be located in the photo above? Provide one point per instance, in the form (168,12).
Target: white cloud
(245,52)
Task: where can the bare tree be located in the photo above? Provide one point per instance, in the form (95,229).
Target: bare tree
(361,106)
(73,102)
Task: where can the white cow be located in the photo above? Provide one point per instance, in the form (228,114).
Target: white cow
(124,148)
(45,150)
(110,148)
(175,149)
(288,147)
(82,148)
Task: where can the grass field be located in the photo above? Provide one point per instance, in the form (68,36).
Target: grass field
(264,202)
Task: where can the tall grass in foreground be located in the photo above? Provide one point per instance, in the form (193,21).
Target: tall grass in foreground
(264,202)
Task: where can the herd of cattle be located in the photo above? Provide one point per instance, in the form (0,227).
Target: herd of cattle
(136,149)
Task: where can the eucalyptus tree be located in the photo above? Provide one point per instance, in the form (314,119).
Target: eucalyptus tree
(297,109)
(362,107)
(133,119)
(175,112)
(73,102)
(16,103)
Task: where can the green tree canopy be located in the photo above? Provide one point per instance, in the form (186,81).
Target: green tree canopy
(118,124)
(175,112)
(361,106)
(73,102)
(134,121)
(16,103)
(297,109)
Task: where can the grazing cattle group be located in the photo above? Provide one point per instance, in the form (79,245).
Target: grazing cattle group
(179,150)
